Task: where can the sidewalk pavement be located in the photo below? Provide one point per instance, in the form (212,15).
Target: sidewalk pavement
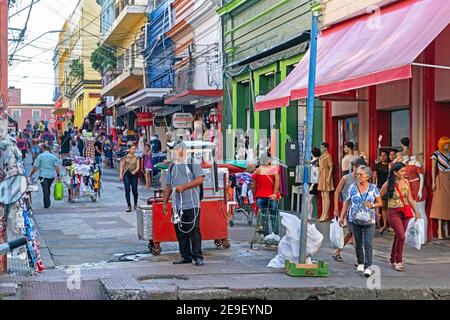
(240,273)
(92,252)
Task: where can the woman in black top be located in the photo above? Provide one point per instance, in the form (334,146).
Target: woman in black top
(66,140)
(380,177)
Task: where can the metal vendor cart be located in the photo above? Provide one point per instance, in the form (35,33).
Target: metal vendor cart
(155,227)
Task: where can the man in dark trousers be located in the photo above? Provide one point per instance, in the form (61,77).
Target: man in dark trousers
(47,164)
(184,178)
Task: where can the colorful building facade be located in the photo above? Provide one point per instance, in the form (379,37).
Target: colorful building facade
(123,31)
(78,84)
(263,41)
(417,108)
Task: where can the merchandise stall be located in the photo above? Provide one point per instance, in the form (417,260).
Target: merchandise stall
(83,178)
(156,227)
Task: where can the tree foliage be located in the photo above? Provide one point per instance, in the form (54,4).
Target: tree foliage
(103,59)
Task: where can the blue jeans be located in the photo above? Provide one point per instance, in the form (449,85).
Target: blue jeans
(363,247)
(270,218)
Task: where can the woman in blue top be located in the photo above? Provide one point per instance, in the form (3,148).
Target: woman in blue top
(362,198)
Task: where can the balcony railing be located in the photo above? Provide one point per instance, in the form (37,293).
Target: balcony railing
(71,85)
(126,61)
(122,4)
(184,79)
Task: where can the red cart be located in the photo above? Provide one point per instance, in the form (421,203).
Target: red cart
(213,225)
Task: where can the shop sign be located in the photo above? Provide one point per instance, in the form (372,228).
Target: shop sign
(159,121)
(108,111)
(51,120)
(182,120)
(144,119)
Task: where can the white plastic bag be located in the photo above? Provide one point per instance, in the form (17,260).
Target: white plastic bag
(314,240)
(289,245)
(336,235)
(415,233)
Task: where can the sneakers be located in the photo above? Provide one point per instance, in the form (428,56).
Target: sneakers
(199,262)
(360,268)
(368,272)
(182,261)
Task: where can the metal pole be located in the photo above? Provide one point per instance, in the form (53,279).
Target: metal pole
(309,133)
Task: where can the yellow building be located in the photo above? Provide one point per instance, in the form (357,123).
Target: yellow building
(79,85)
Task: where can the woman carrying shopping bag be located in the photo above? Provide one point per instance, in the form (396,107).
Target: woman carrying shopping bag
(362,198)
(401,208)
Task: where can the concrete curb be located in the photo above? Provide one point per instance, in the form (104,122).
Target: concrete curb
(311,293)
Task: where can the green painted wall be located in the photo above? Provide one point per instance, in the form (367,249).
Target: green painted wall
(258,25)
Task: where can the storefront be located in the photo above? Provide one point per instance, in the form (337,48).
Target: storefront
(394,78)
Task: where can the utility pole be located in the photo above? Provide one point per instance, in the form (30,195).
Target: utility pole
(309,132)
(3,102)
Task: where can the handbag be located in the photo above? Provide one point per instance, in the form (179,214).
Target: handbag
(407,210)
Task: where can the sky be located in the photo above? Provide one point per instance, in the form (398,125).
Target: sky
(33,70)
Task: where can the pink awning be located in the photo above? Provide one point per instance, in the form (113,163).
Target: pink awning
(365,51)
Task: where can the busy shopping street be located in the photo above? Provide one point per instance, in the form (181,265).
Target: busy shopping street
(224,150)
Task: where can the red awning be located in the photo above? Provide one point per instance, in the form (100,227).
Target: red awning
(365,51)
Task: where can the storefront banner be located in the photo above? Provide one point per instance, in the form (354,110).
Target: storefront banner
(182,120)
(144,119)
(108,111)
(160,122)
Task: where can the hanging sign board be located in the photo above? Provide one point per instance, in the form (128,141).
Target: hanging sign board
(182,120)
(108,111)
(144,119)
(159,121)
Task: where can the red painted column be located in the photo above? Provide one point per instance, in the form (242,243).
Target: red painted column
(4,98)
(331,136)
(430,120)
(373,126)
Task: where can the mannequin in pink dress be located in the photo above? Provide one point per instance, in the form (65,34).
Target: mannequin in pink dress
(415,176)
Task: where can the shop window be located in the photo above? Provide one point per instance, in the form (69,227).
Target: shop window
(400,126)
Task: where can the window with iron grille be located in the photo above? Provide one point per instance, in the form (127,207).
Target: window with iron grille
(36,116)
(16,115)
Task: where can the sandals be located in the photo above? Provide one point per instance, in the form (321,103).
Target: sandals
(337,258)
(399,267)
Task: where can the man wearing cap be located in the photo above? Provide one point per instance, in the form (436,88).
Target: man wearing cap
(184,178)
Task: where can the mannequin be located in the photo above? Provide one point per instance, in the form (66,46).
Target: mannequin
(441,186)
(405,146)
(325,184)
(314,181)
(415,176)
(348,157)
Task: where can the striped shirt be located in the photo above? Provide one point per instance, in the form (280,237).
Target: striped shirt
(442,161)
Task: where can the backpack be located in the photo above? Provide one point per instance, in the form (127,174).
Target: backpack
(190,166)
